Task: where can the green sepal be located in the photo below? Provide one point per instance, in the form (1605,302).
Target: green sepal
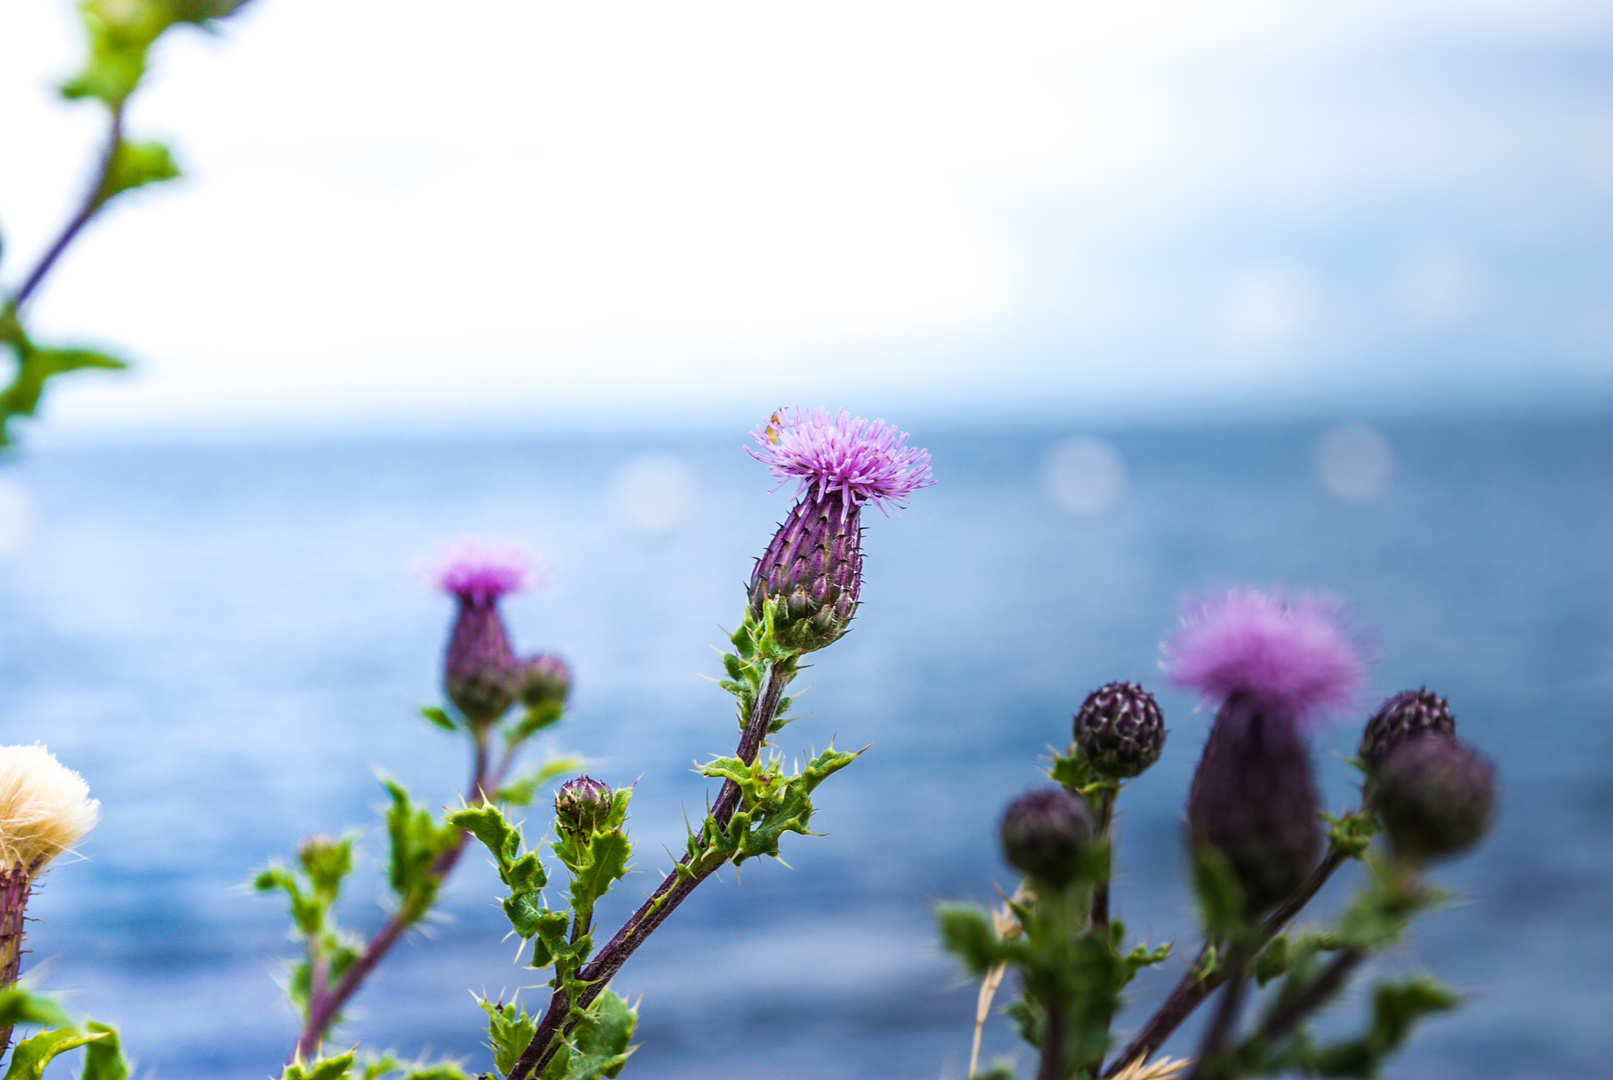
(600,1044)
(521,792)
(29,1057)
(325,1068)
(509,1031)
(1350,834)
(439,717)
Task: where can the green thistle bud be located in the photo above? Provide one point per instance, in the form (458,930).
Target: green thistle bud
(545,680)
(1044,834)
(581,807)
(1120,730)
(1436,797)
(1410,714)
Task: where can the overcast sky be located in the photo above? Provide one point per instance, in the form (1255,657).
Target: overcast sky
(664,212)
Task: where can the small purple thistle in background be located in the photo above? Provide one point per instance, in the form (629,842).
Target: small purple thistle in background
(810,576)
(480,673)
(1272,667)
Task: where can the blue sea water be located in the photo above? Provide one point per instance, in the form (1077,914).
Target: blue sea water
(231,641)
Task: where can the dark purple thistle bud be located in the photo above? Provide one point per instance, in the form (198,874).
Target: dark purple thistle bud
(1120,730)
(1254,799)
(1435,797)
(1271,666)
(1410,714)
(1044,834)
(811,573)
(581,807)
(545,679)
(480,673)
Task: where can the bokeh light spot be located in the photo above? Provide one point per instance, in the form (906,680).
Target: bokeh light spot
(653,492)
(1085,476)
(1354,462)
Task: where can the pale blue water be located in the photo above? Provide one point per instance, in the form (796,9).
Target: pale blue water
(228,641)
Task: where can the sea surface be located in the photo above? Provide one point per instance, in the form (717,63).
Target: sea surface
(231,643)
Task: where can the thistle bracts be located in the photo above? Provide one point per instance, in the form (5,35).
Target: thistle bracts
(1436,797)
(806,583)
(1410,714)
(1119,731)
(581,807)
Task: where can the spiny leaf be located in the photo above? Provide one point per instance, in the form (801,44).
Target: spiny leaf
(29,1057)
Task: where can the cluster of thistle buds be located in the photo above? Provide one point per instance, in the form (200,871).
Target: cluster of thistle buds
(481,674)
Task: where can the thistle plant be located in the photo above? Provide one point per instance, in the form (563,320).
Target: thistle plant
(1259,846)
(483,681)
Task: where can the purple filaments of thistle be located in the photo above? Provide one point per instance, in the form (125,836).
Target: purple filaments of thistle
(864,461)
(479,572)
(1290,657)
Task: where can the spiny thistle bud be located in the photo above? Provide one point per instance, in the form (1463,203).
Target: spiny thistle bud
(581,807)
(811,573)
(1044,834)
(1120,730)
(1271,667)
(1435,797)
(545,679)
(480,673)
(45,809)
(1410,714)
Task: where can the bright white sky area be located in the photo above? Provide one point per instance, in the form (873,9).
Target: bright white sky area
(400,214)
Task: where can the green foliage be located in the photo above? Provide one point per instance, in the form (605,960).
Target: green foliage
(509,1030)
(103,1058)
(439,717)
(535,719)
(417,842)
(600,1043)
(772,804)
(1350,834)
(120,34)
(1219,895)
(20,1006)
(29,1057)
(386,1065)
(325,864)
(755,647)
(521,792)
(325,1068)
(35,366)
(967,933)
(1379,913)
(133,165)
(520,870)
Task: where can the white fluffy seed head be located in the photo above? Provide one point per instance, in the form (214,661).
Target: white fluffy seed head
(44,807)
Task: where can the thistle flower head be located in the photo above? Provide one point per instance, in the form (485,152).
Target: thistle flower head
(1435,796)
(1290,658)
(581,807)
(1120,730)
(866,461)
(545,678)
(44,807)
(1410,714)
(478,572)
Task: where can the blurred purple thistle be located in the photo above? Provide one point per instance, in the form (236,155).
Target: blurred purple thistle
(811,573)
(480,673)
(862,460)
(1271,666)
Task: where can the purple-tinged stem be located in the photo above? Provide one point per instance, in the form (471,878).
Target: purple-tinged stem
(1100,891)
(1191,991)
(16,885)
(673,890)
(1224,1025)
(1051,1066)
(1284,1019)
(92,202)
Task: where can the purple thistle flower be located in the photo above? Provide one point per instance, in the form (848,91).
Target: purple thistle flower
(1291,659)
(479,572)
(480,672)
(863,460)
